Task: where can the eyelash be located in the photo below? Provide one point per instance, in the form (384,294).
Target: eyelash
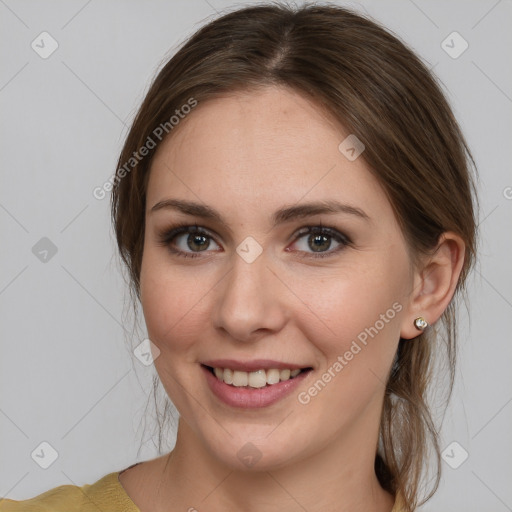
(167,236)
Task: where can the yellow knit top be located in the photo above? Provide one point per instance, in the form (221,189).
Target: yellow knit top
(107,495)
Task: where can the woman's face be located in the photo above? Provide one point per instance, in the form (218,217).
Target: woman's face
(254,290)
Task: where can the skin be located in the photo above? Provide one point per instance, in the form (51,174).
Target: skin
(247,155)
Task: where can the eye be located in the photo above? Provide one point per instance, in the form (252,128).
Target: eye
(313,241)
(197,240)
(319,240)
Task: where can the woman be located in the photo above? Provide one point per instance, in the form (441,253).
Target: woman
(294,206)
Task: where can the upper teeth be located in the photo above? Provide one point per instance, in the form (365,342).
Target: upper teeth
(257,379)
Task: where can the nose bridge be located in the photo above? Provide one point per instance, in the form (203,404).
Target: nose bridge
(247,301)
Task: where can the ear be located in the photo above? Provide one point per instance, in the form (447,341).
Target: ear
(434,283)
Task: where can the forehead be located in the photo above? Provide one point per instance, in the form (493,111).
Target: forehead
(257,150)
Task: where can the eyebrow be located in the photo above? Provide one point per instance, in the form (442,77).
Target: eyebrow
(280,216)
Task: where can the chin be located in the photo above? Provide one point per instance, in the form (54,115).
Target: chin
(254,450)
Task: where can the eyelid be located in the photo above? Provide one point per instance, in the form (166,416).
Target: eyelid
(321,229)
(167,235)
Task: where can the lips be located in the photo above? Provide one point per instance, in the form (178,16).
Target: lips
(246,397)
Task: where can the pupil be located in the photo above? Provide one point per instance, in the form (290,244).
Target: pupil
(200,242)
(320,242)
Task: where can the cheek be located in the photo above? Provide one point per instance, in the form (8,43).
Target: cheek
(173,302)
(361,304)
(355,342)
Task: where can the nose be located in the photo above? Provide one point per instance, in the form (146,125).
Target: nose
(249,301)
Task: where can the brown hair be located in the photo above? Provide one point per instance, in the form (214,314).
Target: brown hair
(379,90)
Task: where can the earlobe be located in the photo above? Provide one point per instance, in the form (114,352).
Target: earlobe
(420,323)
(435,284)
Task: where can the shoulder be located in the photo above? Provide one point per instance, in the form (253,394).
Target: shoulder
(106,495)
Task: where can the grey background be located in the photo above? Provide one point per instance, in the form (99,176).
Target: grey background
(67,375)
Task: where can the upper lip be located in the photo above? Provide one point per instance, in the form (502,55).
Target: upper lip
(253,365)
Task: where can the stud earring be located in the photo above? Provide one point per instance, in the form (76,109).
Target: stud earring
(420,323)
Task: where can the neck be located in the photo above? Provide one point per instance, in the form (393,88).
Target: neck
(340,477)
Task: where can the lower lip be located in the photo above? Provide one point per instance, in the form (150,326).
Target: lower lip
(251,398)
